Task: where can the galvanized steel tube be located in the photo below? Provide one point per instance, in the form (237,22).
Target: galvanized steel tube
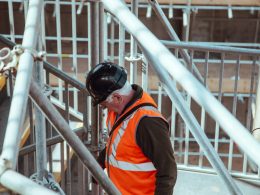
(72,139)
(193,126)
(21,89)
(256,124)
(94,14)
(210,48)
(133,47)
(159,12)
(22,185)
(165,59)
(40,128)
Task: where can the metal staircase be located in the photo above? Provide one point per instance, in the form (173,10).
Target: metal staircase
(206,92)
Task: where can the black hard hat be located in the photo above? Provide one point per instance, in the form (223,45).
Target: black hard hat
(103,79)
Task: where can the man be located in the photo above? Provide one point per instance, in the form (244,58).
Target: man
(138,155)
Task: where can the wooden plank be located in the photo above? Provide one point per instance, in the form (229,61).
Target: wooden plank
(2,82)
(26,132)
(208,2)
(3,189)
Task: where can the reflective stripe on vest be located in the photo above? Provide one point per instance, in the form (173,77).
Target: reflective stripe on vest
(148,166)
(130,166)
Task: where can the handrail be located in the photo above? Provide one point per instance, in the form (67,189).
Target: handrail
(8,159)
(52,69)
(164,63)
(49,142)
(212,48)
(185,45)
(64,76)
(6,41)
(64,129)
(168,62)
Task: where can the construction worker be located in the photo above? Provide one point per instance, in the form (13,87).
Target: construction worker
(138,155)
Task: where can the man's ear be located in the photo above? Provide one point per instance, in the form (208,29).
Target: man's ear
(118,98)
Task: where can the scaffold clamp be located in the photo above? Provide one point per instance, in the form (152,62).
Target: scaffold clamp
(47,181)
(9,58)
(136,58)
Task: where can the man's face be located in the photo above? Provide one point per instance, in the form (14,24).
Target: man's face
(106,103)
(110,103)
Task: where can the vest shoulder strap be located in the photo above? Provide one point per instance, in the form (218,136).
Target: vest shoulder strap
(129,113)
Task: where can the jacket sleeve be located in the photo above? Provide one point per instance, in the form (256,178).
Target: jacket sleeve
(152,136)
(101,161)
(101,158)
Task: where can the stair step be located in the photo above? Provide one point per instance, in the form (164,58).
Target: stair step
(3,190)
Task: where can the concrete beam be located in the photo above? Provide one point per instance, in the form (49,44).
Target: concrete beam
(208,2)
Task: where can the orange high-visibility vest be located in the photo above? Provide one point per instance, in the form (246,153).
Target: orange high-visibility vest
(129,169)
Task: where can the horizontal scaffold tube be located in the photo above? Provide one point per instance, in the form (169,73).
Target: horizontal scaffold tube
(23,185)
(72,139)
(21,88)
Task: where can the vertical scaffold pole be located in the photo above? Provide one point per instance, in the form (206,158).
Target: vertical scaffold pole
(21,89)
(94,25)
(40,130)
(133,47)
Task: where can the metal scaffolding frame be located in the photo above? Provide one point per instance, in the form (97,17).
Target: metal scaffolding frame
(162,61)
(8,158)
(152,48)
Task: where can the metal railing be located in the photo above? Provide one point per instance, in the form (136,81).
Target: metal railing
(12,139)
(65,155)
(62,164)
(208,59)
(151,48)
(235,79)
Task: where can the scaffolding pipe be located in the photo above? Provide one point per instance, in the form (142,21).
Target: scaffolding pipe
(49,142)
(202,96)
(95,49)
(133,47)
(94,15)
(22,185)
(40,128)
(101,59)
(202,7)
(162,57)
(21,89)
(159,12)
(121,52)
(256,122)
(166,6)
(210,48)
(192,125)
(63,128)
